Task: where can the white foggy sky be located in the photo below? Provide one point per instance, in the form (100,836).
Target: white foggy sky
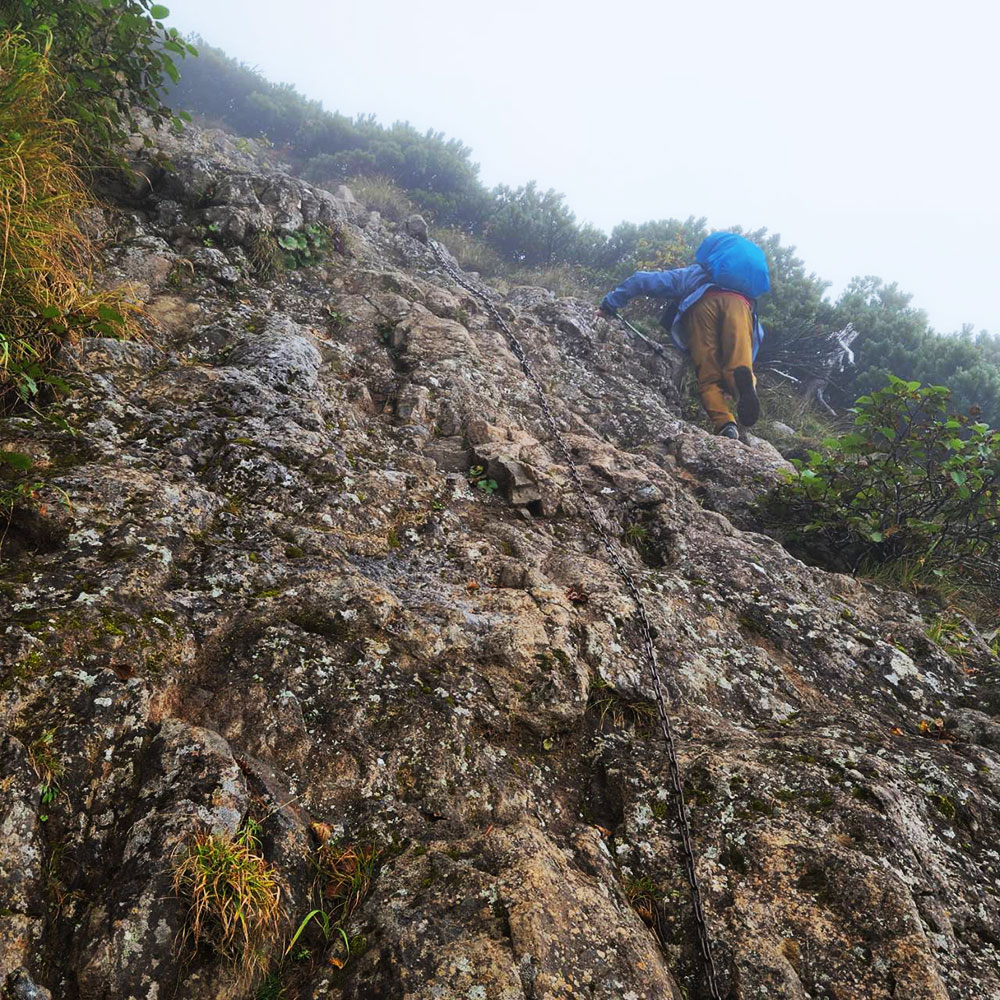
(865,133)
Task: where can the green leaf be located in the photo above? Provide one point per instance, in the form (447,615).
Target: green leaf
(27,387)
(959,477)
(109,315)
(159,12)
(63,386)
(309,916)
(16,460)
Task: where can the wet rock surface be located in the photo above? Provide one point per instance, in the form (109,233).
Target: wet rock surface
(275,593)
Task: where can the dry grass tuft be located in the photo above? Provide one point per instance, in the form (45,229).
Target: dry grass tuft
(263,253)
(645,897)
(622,712)
(473,253)
(234,897)
(45,758)
(347,871)
(382,194)
(45,293)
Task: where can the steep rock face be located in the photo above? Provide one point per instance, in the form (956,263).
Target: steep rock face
(275,593)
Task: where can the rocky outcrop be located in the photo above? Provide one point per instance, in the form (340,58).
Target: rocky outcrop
(273,592)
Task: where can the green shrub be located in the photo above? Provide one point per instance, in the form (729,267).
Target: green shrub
(114,57)
(911,492)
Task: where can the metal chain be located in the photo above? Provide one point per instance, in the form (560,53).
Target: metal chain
(677,787)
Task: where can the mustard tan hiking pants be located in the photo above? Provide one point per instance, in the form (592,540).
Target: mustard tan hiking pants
(719,330)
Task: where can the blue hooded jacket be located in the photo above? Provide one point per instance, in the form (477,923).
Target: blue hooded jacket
(684,284)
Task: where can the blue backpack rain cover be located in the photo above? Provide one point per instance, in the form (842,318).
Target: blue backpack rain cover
(735,263)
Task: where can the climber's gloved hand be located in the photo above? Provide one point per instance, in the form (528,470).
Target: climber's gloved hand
(606,312)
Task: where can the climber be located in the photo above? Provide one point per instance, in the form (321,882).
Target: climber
(715,321)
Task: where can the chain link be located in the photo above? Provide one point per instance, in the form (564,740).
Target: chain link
(645,629)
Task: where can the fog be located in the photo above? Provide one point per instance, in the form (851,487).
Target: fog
(862,132)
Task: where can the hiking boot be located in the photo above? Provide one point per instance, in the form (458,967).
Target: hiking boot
(748,408)
(729,430)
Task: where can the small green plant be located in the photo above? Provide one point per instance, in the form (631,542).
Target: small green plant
(181,274)
(271,988)
(338,321)
(233,897)
(912,490)
(304,248)
(212,232)
(23,491)
(636,534)
(950,633)
(13,462)
(323,920)
(479,480)
(344,876)
(46,762)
